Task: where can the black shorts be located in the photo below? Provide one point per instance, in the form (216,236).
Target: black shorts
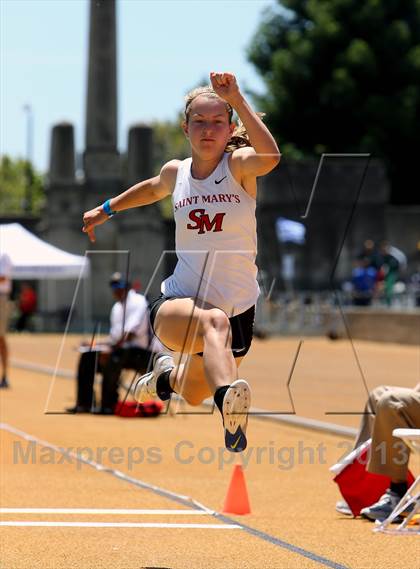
(242,326)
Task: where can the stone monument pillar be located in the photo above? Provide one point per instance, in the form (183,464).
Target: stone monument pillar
(62,163)
(62,209)
(101,156)
(140,153)
(138,232)
(141,230)
(102,168)
(61,224)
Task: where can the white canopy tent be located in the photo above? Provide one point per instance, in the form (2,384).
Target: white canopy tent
(33,258)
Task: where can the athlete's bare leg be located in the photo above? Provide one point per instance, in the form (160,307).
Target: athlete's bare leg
(190,381)
(188,328)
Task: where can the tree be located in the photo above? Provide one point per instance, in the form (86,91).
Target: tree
(169,138)
(21,187)
(169,142)
(344,76)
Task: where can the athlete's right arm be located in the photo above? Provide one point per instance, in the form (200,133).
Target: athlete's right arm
(143,193)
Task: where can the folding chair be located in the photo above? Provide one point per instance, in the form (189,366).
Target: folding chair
(411,524)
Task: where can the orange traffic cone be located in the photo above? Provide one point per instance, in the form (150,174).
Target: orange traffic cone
(236,501)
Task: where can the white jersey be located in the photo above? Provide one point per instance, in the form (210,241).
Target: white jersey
(216,240)
(132,317)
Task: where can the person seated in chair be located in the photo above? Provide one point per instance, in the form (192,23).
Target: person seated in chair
(387,408)
(130,346)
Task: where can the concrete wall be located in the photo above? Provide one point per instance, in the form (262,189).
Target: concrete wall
(384,325)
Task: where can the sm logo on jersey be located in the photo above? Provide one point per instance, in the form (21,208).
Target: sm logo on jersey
(203,222)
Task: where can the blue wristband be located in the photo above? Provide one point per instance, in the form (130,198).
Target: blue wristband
(107,208)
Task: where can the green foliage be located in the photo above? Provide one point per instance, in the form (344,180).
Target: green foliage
(169,139)
(344,76)
(169,142)
(18,182)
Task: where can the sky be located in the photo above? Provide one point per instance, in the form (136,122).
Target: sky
(165,47)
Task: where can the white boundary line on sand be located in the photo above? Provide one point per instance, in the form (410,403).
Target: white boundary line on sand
(263,414)
(104,511)
(117,473)
(22,364)
(117,525)
(200,509)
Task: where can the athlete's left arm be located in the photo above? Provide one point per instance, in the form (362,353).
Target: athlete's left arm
(263,155)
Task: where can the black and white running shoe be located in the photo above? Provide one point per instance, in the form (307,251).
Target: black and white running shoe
(145,387)
(236,404)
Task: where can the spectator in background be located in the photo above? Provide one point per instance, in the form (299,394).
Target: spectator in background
(27,306)
(414,280)
(130,346)
(370,253)
(386,409)
(401,258)
(5,290)
(414,257)
(414,285)
(389,271)
(364,282)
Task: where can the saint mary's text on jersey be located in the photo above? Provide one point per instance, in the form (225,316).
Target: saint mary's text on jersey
(212,198)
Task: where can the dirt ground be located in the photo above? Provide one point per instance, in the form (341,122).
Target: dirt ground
(155,465)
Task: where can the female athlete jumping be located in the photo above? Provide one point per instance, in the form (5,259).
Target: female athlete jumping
(207,306)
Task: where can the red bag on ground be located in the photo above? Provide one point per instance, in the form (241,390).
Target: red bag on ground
(359,487)
(134,409)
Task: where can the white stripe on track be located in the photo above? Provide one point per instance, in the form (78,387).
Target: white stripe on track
(104,511)
(184,500)
(117,525)
(40,368)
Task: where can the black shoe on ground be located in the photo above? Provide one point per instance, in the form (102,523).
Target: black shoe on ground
(104,411)
(78,409)
(384,507)
(4,384)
